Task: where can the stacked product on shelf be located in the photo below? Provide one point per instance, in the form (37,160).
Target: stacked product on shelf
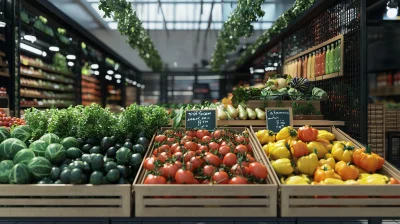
(114,98)
(91,90)
(45,85)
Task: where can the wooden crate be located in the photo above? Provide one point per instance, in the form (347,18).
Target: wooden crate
(340,200)
(259,200)
(285,103)
(62,200)
(392,120)
(263,123)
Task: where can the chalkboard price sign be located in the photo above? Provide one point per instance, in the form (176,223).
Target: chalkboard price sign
(201,119)
(278,118)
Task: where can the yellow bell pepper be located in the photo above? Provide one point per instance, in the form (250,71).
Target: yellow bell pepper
(265,136)
(329,181)
(325,172)
(288,134)
(328,155)
(266,148)
(351,182)
(361,170)
(283,166)
(344,152)
(327,144)
(308,164)
(331,162)
(321,150)
(372,179)
(279,150)
(297,180)
(323,134)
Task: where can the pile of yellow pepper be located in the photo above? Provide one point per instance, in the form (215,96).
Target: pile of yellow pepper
(311,156)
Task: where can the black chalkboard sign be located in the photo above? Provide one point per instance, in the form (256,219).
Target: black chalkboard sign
(278,118)
(201,119)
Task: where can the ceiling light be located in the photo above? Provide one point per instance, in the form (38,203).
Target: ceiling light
(118,80)
(138,85)
(175,64)
(54,48)
(117,76)
(70,63)
(96,72)
(143,86)
(31,49)
(71,57)
(116,67)
(134,82)
(259,70)
(2,24)
(392,9)
(110,72)
(94,66)
(44,54)
(30,38)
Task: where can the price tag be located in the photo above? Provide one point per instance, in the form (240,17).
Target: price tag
(278,118)
(201,119)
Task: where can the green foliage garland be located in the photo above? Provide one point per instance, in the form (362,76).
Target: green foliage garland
(238,25)
(280,24)
(130,26)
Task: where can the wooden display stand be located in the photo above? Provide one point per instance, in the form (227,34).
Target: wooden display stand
(338,200)
(283,103)
(209,201)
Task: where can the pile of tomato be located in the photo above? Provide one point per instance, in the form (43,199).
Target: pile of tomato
(200,157)
(7,121)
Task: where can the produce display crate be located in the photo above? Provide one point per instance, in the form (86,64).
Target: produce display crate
(376,128)
(256,200)
(339,200)
(66,200)
(282,103)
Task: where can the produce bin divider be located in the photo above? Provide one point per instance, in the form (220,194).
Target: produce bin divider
(338,200)
(257,200)
(257,123)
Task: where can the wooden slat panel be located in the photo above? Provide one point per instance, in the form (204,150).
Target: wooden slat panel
(341,212)
(344,201)
(341,190)
(54,201)
(61,212)
(207,201)
(205,212)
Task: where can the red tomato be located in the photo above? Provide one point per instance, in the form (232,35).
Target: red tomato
(170,140)
(195,181)
(190,167)
(213,146)
(245,164)
(205,182)
(201,133)
(187,156)
(229,159)
(153,179)
(169,170)
(241,149)
(221,177)
(149,164)
(238,180)
(175,149)
(239,139)
(204,148)
(307,134)
(217,134)
(186,139)
(178,164)
(191,146)
(249,148)
(223,150)
(250,158)
(177,155)
(239,170)
(184,177)
(209,170)
(191,133)
(213,160)
(197,162)
(160,138)
(163,157)
(258,170)
(163,148)
(206,139)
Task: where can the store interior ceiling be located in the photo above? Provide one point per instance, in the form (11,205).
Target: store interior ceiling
(183,31)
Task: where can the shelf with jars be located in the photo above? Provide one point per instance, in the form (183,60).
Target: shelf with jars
(323,61)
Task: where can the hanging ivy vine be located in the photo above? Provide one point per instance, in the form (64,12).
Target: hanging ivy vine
(281,23)
(238,25)
(130,25)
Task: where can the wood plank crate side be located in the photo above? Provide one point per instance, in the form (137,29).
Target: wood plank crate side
(210,200)
(65,200)
(286,103)
(301,200)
